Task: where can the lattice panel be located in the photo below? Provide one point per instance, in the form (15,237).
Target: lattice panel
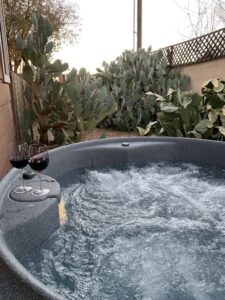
(204,48)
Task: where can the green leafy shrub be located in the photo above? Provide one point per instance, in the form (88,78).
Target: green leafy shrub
(129,77)
(212,125)
(178,115)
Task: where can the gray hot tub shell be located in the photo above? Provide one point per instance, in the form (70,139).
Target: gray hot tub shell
(35,222)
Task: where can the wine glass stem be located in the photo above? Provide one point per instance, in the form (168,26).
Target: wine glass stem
(39,174)
(22,180)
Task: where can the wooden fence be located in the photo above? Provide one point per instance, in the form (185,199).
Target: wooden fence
(23,112)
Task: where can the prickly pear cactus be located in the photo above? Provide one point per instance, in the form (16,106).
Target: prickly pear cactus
(69,107)
(43,91)
(129,77)
(91,100)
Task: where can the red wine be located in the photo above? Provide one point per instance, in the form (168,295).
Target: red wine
(38,163)
(18,162)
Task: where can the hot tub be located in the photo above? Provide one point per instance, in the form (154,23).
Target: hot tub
(25,225)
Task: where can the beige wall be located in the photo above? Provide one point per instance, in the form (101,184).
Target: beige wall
(7,128)
(7,132)
(202,72)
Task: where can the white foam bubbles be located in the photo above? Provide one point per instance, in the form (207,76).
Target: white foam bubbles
(156,233)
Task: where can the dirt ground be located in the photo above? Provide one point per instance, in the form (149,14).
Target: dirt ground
(95,134)
(106,133)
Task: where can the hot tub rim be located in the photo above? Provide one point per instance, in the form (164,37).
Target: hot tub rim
(8,257)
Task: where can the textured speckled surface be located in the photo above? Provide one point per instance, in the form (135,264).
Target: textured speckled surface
(47,182)
(24,225)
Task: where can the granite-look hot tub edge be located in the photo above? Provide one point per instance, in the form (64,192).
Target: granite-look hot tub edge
(24,225)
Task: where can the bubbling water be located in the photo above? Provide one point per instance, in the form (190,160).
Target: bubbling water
(156,233)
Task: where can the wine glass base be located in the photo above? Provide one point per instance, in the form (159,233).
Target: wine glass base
(38,193)
(22,189)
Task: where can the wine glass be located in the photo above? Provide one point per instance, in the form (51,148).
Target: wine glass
(38,161)
(18,157)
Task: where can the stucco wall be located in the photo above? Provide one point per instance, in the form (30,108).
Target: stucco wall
(7,132)
(202,72)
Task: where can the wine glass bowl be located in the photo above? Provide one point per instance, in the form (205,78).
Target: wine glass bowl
(18,157)
(38,161)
